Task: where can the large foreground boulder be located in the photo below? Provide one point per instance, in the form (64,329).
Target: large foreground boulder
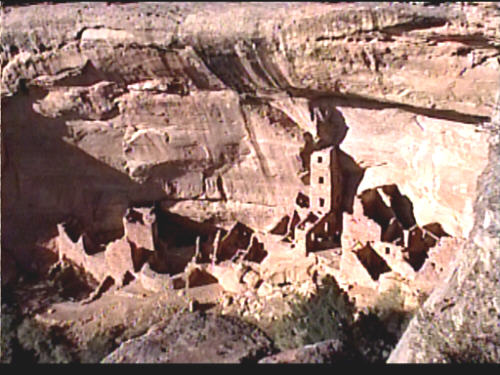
(195,338)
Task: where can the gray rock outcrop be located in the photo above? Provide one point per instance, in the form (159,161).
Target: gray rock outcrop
(195,338)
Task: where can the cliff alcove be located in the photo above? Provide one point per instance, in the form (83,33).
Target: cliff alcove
(239,149)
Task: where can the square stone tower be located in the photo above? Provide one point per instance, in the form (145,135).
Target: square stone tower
(326,181)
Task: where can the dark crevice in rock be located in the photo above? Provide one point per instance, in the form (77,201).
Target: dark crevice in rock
(176,230)
(253,140)
(471,40)
(105,286)
(401,205)
(127,278)
(238,238)
(374,263)
(306,151)
(331,128)
(375,208)
(135,45)
(281,227)
(302,200)
(417,23)
(94,240)
(200,277)
(255,252)
(220,187)
(89,75)
(79,33)
(179,236)
(394,233)
(229,69)
(352,175)
(358,101)
(418,247)
(139,256)
(436,229)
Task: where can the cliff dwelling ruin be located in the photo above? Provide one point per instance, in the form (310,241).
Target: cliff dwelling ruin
(354,237)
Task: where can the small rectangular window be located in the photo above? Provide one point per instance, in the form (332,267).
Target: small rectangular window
(320,159)
(321,180)
(321,202)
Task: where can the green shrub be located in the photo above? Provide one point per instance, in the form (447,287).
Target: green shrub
(368,336)
(389,308)
(323,316)
(42,344)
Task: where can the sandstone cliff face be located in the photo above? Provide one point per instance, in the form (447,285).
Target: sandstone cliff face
(459,322)
(214,109)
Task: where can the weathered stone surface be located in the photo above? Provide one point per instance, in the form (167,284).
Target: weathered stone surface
(195,338)
(265,289)
(115,261)
(459,321)
(95,329)
(139,227)
(304,62)
(394,256)
(118,258)
(330,351)
(251,278)
(440,264)
(410,155)
(358,228)
(351,269)
(154,281)
(228,275)
(286,265)
(76,253)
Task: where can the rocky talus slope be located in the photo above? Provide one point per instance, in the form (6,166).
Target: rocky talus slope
(210,113)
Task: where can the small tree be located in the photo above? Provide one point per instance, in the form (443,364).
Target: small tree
(325,315)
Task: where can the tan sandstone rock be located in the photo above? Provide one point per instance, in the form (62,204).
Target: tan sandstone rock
(358,228)
(139,227)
